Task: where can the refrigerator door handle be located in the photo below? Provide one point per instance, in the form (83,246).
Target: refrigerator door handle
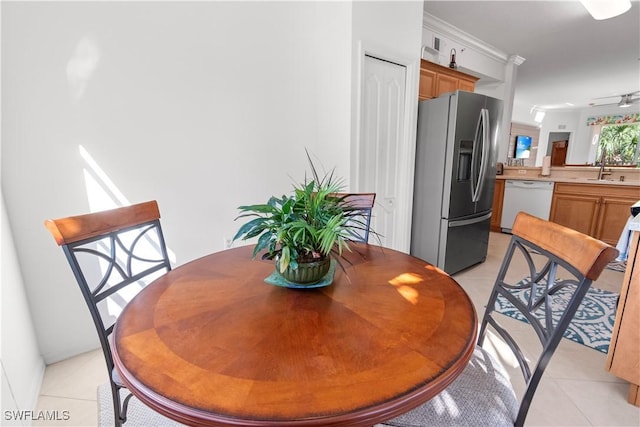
(464,222)
(482,134)
(477,138)
(486,150)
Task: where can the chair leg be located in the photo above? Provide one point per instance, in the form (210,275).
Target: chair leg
(125,407)
(115,395)
(119,411)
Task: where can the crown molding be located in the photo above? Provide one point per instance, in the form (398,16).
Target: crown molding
(433,23)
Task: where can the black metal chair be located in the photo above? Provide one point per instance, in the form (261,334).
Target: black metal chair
(359,207)
(557,258)
(113,254)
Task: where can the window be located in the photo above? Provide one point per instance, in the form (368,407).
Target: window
(619,144)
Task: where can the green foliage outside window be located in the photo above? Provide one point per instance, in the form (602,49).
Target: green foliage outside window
(620,143)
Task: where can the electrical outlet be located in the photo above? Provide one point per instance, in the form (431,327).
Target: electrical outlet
(227,242)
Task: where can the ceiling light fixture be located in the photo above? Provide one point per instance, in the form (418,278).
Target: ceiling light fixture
(605,9)
(539,116)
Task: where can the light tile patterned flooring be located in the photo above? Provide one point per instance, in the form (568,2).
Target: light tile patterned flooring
(575,391)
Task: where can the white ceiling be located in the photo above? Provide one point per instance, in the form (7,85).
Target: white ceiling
(570,57)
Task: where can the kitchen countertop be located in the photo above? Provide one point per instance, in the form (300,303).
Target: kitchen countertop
(578,180)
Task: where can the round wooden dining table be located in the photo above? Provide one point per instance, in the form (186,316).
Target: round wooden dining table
(211,344)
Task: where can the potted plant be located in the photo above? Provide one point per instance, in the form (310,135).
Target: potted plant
(302,231)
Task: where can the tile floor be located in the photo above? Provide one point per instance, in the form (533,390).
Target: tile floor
(575,391)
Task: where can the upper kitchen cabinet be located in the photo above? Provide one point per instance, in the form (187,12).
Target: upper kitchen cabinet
(436,80)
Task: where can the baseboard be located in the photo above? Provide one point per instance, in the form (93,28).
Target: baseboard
(36,385)
(26,400)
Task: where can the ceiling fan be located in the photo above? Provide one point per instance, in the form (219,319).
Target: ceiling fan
(626,100)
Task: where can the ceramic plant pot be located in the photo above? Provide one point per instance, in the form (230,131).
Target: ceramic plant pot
(307,273)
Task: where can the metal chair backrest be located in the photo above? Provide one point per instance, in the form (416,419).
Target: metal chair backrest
(558,259)
(113,254)
(359,207)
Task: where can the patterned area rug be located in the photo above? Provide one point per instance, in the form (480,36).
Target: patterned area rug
(617,265)
(592,323)
(138,415)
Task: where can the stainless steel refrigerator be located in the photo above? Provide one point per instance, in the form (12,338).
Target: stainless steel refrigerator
(455,172)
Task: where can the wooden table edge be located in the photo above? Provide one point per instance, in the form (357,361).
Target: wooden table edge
(360,418)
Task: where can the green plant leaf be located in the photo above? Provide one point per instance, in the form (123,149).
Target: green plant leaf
(248,227)
(285,258)
(312,220)
(263,243)
(262,208)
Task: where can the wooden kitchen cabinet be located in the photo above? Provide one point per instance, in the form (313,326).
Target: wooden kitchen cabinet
(614,213)
(623,358)
(575,211)
(496,212)
(446,83)
(427,83)
(436,80)
(598,210)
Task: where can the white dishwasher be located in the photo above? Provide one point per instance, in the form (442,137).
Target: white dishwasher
(532,197)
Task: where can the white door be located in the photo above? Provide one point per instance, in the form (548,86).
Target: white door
(382,133)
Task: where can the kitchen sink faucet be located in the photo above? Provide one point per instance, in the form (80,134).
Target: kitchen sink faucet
(602,172)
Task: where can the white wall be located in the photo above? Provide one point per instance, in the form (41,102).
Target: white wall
(472,54)
(390,31)
(580,149)
(559,121)
(523,114)
(203,106)
(393,26)
(20,361)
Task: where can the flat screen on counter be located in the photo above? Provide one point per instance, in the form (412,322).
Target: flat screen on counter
(523,147)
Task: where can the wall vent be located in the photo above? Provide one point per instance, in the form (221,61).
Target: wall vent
(436,43)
